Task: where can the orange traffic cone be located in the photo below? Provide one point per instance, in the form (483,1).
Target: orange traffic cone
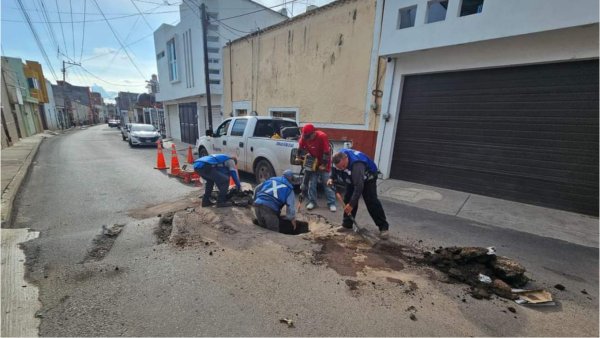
(231,181)
(190,157)
(160,158)
(175,170)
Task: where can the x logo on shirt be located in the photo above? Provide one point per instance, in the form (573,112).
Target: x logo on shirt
(274,189)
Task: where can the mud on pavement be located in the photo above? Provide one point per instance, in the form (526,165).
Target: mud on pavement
(346,252)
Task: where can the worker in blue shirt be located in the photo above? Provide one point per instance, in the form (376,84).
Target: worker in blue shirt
(269,199)
(217,169)
(359,173)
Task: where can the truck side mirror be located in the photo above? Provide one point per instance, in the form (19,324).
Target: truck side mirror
(209,132)
(293,157)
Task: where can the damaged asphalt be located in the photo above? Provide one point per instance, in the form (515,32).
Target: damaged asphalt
(216,276)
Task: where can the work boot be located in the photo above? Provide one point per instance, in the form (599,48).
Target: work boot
(384,234)
(224,204)
(347,225)
(207,203)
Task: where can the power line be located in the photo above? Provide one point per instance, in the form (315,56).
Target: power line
(37,38)
(124,16)
(61,28)
(112,83)
(72,27)
(142,14)
(48,28)
(127,45)
(119,40)
(83,34)
(256,11)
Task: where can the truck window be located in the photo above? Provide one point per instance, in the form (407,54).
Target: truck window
(238,127)
(222,130)
(264,128)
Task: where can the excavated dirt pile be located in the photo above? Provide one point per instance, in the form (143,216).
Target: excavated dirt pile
(479,267)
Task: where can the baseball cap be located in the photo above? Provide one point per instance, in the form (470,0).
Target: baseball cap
(288,173)
(308,128)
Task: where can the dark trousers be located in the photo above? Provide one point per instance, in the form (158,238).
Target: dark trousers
(215,175)
(372,202)
(267,217)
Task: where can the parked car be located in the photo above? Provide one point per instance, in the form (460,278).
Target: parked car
(125,131)
(142,135)
(114,123)
(260,143)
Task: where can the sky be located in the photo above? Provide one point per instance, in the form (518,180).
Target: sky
(92,33)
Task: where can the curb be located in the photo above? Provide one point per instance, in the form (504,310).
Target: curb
(9,195)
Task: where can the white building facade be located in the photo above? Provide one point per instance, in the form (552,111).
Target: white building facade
(52,114)
(180,61)
(493,97)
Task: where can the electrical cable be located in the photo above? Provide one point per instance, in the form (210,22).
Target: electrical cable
(111,83)
(256,11)
(83,35)
(61,28)
(143,17)
(121,43)
(48,27)
(37,39)
(72,27)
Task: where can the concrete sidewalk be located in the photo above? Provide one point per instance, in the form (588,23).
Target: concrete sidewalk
(15,164)
(568,226)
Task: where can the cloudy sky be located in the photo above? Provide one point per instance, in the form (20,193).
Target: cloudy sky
(92,33)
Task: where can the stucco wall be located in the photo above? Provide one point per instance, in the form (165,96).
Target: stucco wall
(552,46)
(319,63)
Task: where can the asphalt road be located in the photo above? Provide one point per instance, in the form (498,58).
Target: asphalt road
(247,279)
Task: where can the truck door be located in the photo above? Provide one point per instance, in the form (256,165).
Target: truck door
(236,142)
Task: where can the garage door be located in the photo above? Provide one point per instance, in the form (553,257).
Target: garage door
(188,121)
(528,134)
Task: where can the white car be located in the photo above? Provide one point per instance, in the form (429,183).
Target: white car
(260,143)
(142,135)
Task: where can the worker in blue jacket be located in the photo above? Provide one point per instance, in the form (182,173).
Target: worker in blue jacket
(269,199)
(217,169)
(359,173)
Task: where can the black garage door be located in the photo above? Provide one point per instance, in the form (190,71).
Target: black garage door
(528,134)
(188,120)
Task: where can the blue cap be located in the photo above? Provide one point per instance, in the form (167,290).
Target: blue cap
(288,173)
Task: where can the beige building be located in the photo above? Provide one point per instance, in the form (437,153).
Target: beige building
(319,67)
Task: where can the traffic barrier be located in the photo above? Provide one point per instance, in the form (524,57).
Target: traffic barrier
(231,181)
(175,169)
(160,158)
(190,156)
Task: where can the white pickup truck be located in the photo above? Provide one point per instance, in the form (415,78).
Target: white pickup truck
(257,143)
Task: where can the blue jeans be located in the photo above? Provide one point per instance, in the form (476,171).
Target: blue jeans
(312,187)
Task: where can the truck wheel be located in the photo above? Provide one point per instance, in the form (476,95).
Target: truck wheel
(202,152)
(263,171)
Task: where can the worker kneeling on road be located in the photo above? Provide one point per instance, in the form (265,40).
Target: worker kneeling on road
(271,196)
(217,169)
(359,173)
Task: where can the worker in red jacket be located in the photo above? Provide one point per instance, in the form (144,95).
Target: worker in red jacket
(316,144)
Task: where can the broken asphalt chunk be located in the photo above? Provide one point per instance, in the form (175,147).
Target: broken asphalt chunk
(289,322)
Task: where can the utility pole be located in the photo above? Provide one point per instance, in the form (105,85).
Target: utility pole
(204,18)
(66,100)
(64,69)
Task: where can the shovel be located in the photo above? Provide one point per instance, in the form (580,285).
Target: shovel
(355,226)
